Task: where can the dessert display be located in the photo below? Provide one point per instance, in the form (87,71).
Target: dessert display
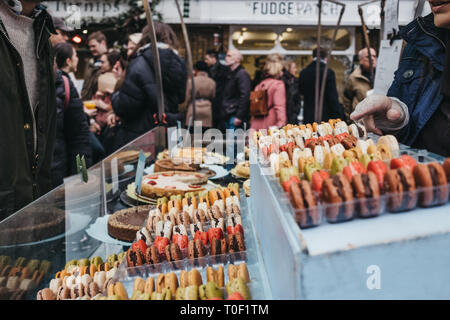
(335,170)
(190,285)
(124,224)
(241,170)
(18,277)
(191,227)
(192,155)
(86,279)
(171,165)
(246,187)
(33,224)
(128,156)
(166,184)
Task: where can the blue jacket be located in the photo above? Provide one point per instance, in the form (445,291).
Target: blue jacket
(417,81)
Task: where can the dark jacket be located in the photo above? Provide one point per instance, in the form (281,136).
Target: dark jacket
(218,73)
(307,88)
(27,137)
(292,97)
(236,95)
(137,100)
(72,132)
(417,80)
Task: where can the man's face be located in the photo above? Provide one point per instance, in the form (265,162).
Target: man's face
(210,60)
(441,11)
(60,37)
(97,48)
(130,47)
(231,58)
(364,59)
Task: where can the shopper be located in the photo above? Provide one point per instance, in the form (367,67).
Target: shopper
(28,134)
(136,103)
(218,72)
(72,129)
(359,81)
(61,31)
(276,95)
(97,46)
(205,91)
(236,94)
(307,88)
(417,106)
(108,61)
(133,41)
(292,95)
(259,73)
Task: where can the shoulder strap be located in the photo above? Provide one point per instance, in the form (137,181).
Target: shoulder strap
(66,92)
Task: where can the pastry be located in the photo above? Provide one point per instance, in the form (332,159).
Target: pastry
(183,218)
(124,224)
(172,183)
(337,192)
(400,185)
(149,286)
(173,252)
(63,293)
(135,258)
(92,289)
(180,236)
(210,290)
(234,224)
(432,178)
(305,205)
(235,242)
(196,249)
(218,246)
(152,255)
(238,271)
(349,142)
(446,166)
(46,294)
(144,234)
(171,282)
(367,190)
(100,278)
(216,276)
(384,151)
(169,165)
(77,291)
(194,278)
(403,161)
(238,285)
(391,142)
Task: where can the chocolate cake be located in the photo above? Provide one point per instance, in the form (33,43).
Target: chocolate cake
(124,224)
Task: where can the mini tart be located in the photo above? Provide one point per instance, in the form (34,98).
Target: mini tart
(124,224)
(166,184)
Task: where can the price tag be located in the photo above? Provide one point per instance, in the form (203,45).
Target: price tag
(139,171)
(388,60)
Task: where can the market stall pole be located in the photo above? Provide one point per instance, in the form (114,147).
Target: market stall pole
(190,63)
(317,113)
(366,36)
(324,77)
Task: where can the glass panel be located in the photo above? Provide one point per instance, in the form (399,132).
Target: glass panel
(306,38)
(254,39)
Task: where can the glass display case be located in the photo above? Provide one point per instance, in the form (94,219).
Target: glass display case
(70,223)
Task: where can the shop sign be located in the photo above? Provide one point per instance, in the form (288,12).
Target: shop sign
(87,9)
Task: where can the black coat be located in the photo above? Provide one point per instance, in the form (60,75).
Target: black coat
(137,100)
(292,97)
(218,73)
(72,132)
(307,87)
(27,137)
(236,95)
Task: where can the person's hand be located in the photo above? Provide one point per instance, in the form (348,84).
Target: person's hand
(379,112)
(90,112)
(237,122)
(112,119)
(101,105)
(95,127)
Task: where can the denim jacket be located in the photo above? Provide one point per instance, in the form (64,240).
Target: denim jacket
(417,81)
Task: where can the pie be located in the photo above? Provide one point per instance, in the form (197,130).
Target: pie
(166,184)
(169,165)
(124,224)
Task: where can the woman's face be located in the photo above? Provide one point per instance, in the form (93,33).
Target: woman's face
(441,11)
(105,64)
(293,69)
(74,61)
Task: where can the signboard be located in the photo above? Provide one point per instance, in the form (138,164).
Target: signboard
(295,12)
(387,64)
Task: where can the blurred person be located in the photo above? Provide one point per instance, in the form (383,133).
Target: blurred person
(97,46)
(61,31)
(136,102)
(133,41)
(205,91)
(236,94)
(276,94)
(259,73)
(358,83)
(292,97)
(108,61)
(27,95)
(218,72)
(417,106)
(307,88)
(72,128)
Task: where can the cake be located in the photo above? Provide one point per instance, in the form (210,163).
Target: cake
(169,165)
(32,224)
(166,184)
(124,224)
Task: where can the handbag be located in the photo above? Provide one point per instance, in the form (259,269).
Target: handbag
(259,103)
